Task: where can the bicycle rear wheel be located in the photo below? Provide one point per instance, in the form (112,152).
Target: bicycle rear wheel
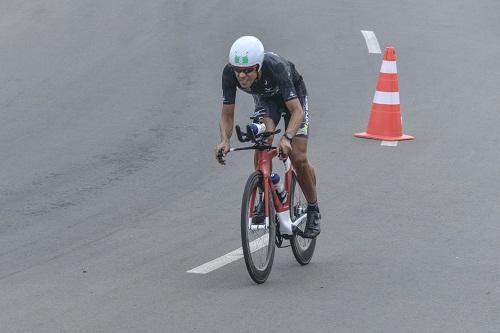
(302,248)
(257,235)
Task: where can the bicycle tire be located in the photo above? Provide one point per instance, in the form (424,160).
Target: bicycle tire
(262,247)
(302,248)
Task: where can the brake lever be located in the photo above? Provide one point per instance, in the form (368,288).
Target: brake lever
(221,157)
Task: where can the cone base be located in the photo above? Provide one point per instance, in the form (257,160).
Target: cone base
(365,135)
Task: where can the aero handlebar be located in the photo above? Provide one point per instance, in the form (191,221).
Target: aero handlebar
(258,140)
(250,136)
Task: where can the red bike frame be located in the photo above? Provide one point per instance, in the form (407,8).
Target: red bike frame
(264,166)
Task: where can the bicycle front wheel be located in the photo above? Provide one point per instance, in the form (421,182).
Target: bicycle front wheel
(257,231)
(303,248)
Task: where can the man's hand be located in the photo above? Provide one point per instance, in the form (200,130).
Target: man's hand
(221,150)
(285,147)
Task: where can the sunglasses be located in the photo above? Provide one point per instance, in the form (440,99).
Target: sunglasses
(246,70)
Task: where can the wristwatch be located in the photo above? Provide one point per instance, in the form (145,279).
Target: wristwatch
(289,136)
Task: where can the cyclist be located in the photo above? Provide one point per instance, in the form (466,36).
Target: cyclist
(277,88)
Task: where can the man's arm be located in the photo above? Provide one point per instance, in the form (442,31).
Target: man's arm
(226,122)
(297,115)
(226,130)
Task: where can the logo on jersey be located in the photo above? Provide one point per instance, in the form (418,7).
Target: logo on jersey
(241,60)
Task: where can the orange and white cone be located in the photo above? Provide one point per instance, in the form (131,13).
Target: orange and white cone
(386,122)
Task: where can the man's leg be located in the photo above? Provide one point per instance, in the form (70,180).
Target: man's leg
(305,171)
(307,181)
(306,176)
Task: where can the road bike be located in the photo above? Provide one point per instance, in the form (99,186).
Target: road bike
(266,221)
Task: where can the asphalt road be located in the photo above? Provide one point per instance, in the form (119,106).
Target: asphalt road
(109,191)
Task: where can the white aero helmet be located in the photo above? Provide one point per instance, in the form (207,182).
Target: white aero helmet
(246,51)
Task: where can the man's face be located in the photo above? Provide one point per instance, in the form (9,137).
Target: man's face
(246,75)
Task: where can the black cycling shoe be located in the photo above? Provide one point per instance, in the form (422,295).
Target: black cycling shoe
(258,216)
(312,228)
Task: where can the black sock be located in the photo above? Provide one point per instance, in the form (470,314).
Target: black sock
(313,206)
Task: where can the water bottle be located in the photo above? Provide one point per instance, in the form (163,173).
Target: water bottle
(257,128)
(278,186)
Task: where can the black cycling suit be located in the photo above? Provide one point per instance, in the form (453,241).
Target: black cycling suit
(278,83)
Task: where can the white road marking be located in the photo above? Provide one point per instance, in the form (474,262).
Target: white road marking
(371,41)
(230,257)
(389,143)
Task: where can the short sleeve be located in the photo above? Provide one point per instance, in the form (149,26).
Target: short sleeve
(228,86)
(284,77)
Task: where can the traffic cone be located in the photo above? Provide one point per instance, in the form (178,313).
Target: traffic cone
(386,122)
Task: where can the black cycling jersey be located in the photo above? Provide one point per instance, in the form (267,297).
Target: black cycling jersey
(278,76)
